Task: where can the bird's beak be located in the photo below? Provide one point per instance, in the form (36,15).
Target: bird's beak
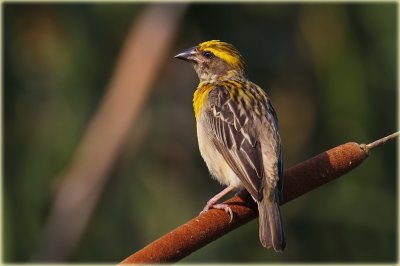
(188,55)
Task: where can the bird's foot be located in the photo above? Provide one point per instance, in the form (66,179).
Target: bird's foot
(212,203)
(221,206)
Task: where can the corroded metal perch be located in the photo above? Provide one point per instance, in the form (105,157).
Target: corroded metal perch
(213,224)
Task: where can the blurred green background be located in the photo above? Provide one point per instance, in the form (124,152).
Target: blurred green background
(330,70)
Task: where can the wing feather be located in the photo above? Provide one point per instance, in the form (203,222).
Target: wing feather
(235,137)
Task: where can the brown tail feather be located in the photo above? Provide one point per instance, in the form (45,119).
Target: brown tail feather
(271,231)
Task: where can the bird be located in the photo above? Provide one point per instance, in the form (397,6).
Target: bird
(238,134)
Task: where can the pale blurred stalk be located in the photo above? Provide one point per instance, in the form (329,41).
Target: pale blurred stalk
(146,46)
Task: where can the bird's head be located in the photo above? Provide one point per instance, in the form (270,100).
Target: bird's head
(214,60)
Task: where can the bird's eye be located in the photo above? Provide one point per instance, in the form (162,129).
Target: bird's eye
(208,54)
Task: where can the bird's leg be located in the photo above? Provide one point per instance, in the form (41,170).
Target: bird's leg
(212,202)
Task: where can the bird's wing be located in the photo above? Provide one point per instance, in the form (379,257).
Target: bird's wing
(271,152)
(278,149)
(235,133)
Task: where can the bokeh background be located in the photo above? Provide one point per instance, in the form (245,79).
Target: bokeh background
(330,70)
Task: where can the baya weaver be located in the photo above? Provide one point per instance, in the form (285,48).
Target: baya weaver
(238,136)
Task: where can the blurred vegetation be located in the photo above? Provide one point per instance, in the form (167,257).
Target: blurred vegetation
(330,70)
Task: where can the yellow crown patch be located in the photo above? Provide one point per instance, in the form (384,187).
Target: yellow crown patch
(225,51)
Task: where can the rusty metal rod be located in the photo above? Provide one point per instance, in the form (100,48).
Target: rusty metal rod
(213,224)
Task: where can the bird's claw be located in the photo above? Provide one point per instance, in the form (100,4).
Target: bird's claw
(221,206)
